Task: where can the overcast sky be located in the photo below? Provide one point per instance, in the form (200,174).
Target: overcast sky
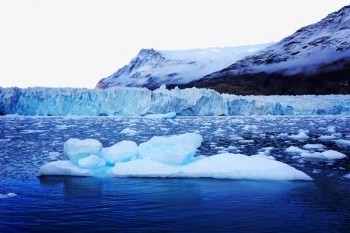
(74,43)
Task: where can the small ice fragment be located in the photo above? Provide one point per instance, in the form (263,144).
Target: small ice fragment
(250,128)
(300,136)
(327,137)
(331,129)
(343,143)
(347,176)
(9,195)
(128,131)
(54,155)
(314,146)
(332,154)
(313,155)
(294,149)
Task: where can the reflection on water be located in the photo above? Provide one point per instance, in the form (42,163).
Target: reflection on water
(91,204)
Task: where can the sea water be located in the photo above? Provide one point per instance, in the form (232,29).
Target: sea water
(90,204)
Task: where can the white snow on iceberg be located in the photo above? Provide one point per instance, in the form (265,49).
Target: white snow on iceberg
(222,166)
(172,156)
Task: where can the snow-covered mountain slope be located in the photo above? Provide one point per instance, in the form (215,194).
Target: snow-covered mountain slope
(122,101)
(153,68)
(313,51)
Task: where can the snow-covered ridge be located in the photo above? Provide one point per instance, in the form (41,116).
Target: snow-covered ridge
(153,68)
(124,101)
(304,51)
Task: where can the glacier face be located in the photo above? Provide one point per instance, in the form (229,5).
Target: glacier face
(152,68)
(123,101)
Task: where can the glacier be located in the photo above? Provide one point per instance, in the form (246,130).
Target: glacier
(124,101)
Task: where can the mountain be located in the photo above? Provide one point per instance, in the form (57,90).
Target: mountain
(313,60)
(153,68)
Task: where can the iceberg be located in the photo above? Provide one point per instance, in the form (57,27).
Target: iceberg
(123,101)
(172,156)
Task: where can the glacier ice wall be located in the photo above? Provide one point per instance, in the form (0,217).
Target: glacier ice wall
(122,101)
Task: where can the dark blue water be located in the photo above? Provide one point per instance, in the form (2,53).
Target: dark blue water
(68,204)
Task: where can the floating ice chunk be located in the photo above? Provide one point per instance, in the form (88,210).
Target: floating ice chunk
(312,155)
(120,152)
(128,131)
(235,137)
(331,129)
(230,166)
(347,176)
(250,128)
(327,137)
(300,136)
(232,148)
(54,155)
(92,162)
(282,135)
(219,131)
(9,195)
(63,168)
(343,143)
(314,146)
(77,149)
(294,149)
(170,115)
(263,155)
(332,154)
(176,149)
(246,141)
(329,154)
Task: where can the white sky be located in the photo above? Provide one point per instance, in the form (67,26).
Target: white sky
(74,43)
